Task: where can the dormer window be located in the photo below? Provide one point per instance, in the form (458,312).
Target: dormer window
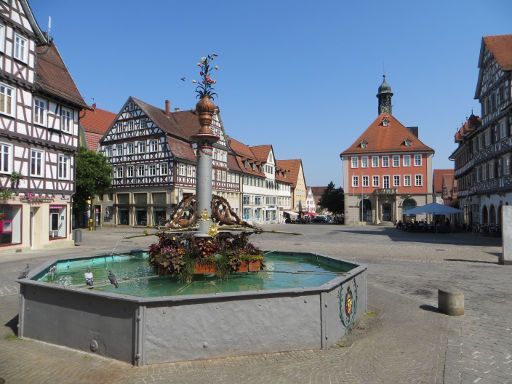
(407,142)
(363,144)
(385,122)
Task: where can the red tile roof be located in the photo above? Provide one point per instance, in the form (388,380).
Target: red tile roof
(261,152)
(241,149)
(52,76)
(317,193)
(442,176)
(97,120)
(92,140)
(181,149)
(501,48)
(390,138)
(469,126)
(245,158)
(292,167)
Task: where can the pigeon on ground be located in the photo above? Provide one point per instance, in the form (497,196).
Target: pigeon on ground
(24,273)
(113,279)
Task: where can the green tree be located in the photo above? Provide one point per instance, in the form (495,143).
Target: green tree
(93,177)
(333,199)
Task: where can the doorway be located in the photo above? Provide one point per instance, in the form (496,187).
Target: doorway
(386,212)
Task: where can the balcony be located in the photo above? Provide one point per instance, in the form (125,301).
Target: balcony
(385,191)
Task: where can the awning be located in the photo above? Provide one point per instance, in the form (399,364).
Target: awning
(292,214)
(432,208)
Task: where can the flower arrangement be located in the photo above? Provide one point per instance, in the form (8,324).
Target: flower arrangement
(205,85)
(183,255)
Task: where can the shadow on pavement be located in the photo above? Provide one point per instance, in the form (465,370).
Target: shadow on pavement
(429,308)
(473,261)
(13,324)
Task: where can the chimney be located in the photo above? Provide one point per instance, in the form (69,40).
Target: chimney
(413,130)
(167,107)
(93,106)
(176,109)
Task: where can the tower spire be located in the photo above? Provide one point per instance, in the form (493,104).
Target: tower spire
(384,95)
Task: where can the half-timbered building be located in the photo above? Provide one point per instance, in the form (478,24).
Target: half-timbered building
(154,162)
(387,169)
(39,114)
(483,158)
(266,189)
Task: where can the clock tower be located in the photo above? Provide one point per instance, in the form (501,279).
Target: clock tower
(384,95)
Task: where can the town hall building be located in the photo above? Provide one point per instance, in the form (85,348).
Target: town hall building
(387,169)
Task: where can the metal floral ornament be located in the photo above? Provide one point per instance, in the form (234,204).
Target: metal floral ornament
(205,85)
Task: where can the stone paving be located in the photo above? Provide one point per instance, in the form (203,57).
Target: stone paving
(402,339)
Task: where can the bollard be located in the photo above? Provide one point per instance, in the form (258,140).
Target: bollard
(77,236)
(450,301)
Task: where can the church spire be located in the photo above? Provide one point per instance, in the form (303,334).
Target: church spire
(384,95)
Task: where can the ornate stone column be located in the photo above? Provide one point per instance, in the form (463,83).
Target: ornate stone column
(205,139)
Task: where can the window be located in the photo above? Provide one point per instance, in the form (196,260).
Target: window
(396,181)
(385,181)
(417,160)
(385,161)
(7,98)
(129,171)
(418,181)
(257,200)
(355,181)
(57,221)
(63,167)
(375,181)
(108,151)
(152,169)
(130,149)
(407,180)
(119,149)
(20,48)
(2,37)
(142,147)
(182,169)
(140,171)
(5,158)
(407,160)
(375,161)
(366,181)
(118,172)
(246,199)
(354,162)
(364,162)
(396,160)
(66,119)
(163,169)
(40,108)
(36,162)
(153,146)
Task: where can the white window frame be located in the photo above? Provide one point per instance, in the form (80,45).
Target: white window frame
(409,182)
(375,184)
(66,119)
(355,181)
(130,171)
(139,145)
(408,163)
(375,161)
(182,170)
(153,146)
(2,37)
(384,181)
(4,88)
(365,182)
(39,160)
(418,156)
(354,162)
(40,111)
(416,184)
(395,157)
(396,180)
(164,168)
(387,161)
(63,167)
(139,173)
(118,172)
(364,161)
(6,156)
(152,169)
(130,149)
(119,150)
(15,49)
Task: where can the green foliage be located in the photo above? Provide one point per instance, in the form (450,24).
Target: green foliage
(93,177)
(333,199)
(5,194)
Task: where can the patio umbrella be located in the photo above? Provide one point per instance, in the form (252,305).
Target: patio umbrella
(432,208)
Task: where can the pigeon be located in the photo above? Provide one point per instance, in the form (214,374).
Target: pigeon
(113,279)
(183,79)
(24,273)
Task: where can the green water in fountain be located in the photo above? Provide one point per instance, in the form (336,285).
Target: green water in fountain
(137,278)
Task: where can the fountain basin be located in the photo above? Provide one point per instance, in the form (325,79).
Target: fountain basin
(305,309)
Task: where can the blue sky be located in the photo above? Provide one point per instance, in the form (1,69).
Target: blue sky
(299,75)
